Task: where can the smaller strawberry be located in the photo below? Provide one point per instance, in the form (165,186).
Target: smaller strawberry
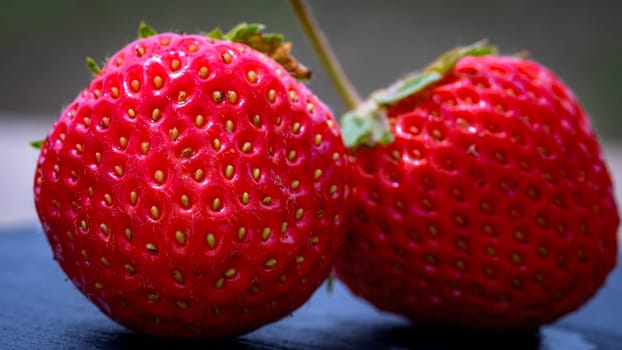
(195,189)
(480,196)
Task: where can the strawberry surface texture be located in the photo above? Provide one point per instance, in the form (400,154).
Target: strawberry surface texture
(194,188)
(492,207)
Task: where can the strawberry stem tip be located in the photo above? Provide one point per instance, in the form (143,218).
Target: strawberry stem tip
(145,31)
(271,44)
(329,60)
(368,124)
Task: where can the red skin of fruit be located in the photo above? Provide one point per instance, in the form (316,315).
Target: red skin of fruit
(492,210)
(203,203)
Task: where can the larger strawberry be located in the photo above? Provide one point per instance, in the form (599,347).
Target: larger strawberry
(195,188)
(480,196)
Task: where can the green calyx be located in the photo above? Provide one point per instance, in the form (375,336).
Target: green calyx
(414,83)
(145,31)
(245,32)
(271,44)
(368,124)
(92,65)
(37,144)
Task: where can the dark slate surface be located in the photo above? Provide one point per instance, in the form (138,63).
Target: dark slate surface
(39,309)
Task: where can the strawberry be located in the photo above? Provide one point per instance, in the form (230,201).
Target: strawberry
(194,188)
(480,196)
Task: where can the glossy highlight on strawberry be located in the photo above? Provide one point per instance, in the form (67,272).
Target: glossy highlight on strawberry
(487,206)
(194,188)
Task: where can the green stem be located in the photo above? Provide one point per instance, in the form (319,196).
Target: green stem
(340,80)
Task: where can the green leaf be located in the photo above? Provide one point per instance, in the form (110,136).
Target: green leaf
(367,125)
(145,31)
(448,60)
(37,144)
(414,83)
(271,44)
(215,34)
(273,38)
(243,30)
(92,65)
(407,87)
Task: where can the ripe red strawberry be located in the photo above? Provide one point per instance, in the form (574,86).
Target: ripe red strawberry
(194,188)
(481,199)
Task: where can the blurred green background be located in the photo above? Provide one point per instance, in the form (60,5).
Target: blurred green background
(43,43)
